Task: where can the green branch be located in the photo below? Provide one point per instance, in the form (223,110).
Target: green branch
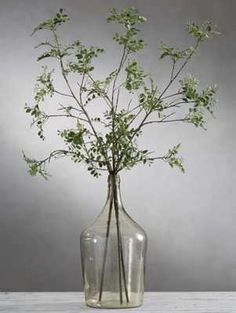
(109,140)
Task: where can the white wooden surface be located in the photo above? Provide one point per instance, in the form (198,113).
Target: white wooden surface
(164,302)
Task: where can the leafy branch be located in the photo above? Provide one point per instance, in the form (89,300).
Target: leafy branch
(109,140)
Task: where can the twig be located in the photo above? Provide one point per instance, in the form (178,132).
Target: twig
(62,94)
(79,103)
(167,121)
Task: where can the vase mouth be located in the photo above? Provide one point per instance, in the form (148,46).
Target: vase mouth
(113,178)
(114,189)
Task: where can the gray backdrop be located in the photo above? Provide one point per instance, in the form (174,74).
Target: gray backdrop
(190,218)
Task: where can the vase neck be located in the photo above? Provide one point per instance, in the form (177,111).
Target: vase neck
(114,194)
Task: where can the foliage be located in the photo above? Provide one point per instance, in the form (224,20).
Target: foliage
(128,19)
(109,141)
(135,76)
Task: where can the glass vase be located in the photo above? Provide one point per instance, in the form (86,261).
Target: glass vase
(113,251)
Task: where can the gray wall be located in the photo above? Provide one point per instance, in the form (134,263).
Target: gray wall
(190,218)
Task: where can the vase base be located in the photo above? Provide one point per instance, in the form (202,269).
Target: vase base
(110,301)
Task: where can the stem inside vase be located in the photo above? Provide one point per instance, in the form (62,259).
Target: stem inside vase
(114,205)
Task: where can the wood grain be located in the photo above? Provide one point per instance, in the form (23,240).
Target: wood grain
(158,302)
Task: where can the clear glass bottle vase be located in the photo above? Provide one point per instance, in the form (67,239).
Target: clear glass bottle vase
(113,251)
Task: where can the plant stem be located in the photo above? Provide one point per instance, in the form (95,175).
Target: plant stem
(105,251)
(123,271)
(148,113)
(174,76)
(121,266)
(118,244)
(119,241)
(80,104)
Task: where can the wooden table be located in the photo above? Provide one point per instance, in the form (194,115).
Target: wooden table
(158,302)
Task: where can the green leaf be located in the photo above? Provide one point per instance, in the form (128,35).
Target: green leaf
(135,76)
(202,32)
(52,23)
(129,19)
(173,53)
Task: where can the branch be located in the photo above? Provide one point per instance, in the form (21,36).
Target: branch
(117,99)
(67,115)
(122,61)
(172,70)
(65,108)
(38,167)
(54,154)
(78,102)
(128,107)
(157,158)
(180,69)
(115,105)
(168,121)
(103,93)
(135,116)
(91,161)
(172,95)
(46,43)
(62,94)
(177,104)
(166,88)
